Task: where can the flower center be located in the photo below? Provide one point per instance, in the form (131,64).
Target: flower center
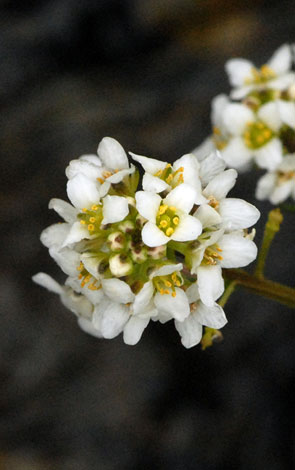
(262,75)
(285,176)
(257,134)
(167,220)
(166,284)
(212,255)
(85,278)
(173,178)
(91,218)
(106,174)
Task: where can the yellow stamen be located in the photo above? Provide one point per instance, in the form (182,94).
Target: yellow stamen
(162,292)
(84,209)
(169,178)
(167,283)
(100,180)
(173,294)
(90,227)
(163,223)
(82,222)
(92,219)
(175,220)
(162,209)
(158,173)
(169,231)
(94,207)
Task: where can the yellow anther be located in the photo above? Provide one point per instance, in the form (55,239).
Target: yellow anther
(107,174)
(80,267)
(179,170)
(167,283)
(92,220)
(216,130)
(90,227)
(87,278)
(80,276)
(162,291)
(82,283)
(158,173)
(169,178)
(175,220)
(178,283)
(173,294)
(168,165)
(84,209)
(218,248)
(166,291)
(174,277)
(172,208)
(94,207)
(180,178)
(169,231)
(163,223)
(162,209)
(260,139)
(82,222)
(267,134)
(100,180)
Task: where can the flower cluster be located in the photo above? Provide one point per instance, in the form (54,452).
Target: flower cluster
(257,122)
(132,255)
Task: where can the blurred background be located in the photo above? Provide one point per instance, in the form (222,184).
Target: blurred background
(143,72)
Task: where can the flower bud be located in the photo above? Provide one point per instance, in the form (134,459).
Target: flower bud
(116,241)
(138,253)
(127,226)
(120,265)
(157,252)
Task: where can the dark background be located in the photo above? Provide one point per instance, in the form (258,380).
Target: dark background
(144,72)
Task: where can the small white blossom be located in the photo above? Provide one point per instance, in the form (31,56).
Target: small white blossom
(276,74)
(278,185)
(168,218)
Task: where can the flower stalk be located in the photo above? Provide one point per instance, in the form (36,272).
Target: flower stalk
(272,226)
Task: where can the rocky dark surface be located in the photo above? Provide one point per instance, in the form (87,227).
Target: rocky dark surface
(143,72)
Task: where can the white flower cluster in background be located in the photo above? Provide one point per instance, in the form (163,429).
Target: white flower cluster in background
(132,255)
(257,123)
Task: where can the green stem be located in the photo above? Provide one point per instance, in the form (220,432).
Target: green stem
(227,293)
(272,226)
(269,289)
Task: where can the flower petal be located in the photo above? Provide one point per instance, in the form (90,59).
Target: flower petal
(82,192)
(114,318)
(117,290)
(190,331)
(120,175)
(192,292)
(265,186)
(183,197)
(270,115)
(211,166)
(68,260)
(238,70)
(236,116)
(152,236)
(55,235)
(112,154)
(176,307)
(236,154)
(213,317)
(77,233)
(78,304)
(48,282)
(133,330)
(189,228)
(211,284)
(147,204)
(281,60)
(166,270)
(207,215)
(237,251)
(287,112)
(64,209)
(153,184)
(150,165)
(218,105)
(282,192)
(221,184)
(115,208)
(270,155)
(237,214)
(88,327)
(142,299)
(83,167)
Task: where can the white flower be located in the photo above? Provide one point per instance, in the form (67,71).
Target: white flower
(90,177)
(254,135)
(214,251)
(275,74)
(191,329)
(228,213)
(161,176)
(278,185)
(168,218)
